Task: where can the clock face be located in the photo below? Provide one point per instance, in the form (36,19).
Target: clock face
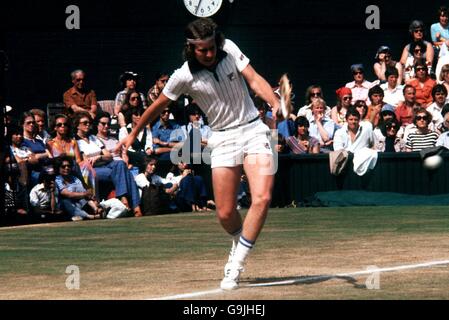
(203,8)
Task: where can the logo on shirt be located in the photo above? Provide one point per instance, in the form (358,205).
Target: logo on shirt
(242,57)
(231,76)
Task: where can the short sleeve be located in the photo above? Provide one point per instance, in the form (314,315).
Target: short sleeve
(60,184)
(177,85)
(240,59)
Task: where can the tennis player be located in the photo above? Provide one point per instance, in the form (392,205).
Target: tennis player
(214,75)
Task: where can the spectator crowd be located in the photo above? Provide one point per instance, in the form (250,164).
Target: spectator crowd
(68,168)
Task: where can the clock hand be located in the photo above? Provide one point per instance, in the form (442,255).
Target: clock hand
(199,3)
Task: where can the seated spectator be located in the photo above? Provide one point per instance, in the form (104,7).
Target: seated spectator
(161,79)
(416,30)
(439,31)
(444,78)
(444,126)
(16,160)
(387,113)
(195,133)
(423,84)
(439,95)
(443,139)
(354,135)
(384,61)
(132,102)
(78,202)
(191,194)
(128,81)
(106,169)
(39,154)
(360,85)
(423,137)
(63,145)
(80,98)
(167,187)
(143,145)
(385,137)
(163,141)
(321,127)
(44,197)
(418,50)
(302,142)
(39,117)
(405,111)
(376,96)
(102,124)
(312,92)
(344,101)
(392,90)
(362,108)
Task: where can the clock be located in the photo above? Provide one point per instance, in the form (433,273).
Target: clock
(203,8)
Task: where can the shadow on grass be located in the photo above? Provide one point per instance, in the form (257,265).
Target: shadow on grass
(302,280)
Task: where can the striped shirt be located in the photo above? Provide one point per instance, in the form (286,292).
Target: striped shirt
(222,93)
(418,142)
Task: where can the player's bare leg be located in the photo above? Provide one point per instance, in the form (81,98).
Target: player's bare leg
(226,185)
(258,168)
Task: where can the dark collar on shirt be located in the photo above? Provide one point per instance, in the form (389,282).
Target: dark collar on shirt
(195,66)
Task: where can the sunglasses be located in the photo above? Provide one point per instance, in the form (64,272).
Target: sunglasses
(30,122)
(357,72)
(61,124)
(418,30)
(163,80)
(79,80)
(421,118)
(104,123)
(419,51)
(86,123)
(347,98)
(316,94)
(420,69)
(391,127)
(66,166)
(134,98)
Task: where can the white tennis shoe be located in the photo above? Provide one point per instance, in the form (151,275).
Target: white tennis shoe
(232,278)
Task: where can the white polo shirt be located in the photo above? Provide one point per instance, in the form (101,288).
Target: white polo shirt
(364,137)
(221,94)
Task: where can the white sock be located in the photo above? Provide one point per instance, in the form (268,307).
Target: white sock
(241,252)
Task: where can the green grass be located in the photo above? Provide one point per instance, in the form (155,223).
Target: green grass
(126,243)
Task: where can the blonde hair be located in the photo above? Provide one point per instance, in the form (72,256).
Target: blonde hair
(444,69)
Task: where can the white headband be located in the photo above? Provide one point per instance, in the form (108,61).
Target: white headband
(199,41)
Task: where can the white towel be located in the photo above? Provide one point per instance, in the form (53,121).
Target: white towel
(364,159)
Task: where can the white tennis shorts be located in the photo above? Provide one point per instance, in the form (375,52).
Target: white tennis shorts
(230,147)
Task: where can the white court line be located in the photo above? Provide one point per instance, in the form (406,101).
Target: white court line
(305,279)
